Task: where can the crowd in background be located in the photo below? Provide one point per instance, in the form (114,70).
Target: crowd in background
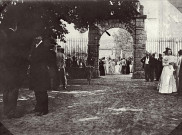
(108,66)
(75,62)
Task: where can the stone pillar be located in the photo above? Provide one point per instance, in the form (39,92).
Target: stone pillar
(93,48)
(139,47)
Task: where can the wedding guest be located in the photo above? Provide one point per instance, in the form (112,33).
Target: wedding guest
(74,62)
(167,82)
(101,68)
(113,66)
(61,66)
(128,62)
(106,65)
(155,66)
(179,73)
(148,66)
(123,63)
(53,71)
(39,77)
(110,66)
(152,65)
(120,65)
(131,66)
(160,66)
(117,68)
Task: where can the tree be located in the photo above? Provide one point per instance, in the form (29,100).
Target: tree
(22,21)
(123,40)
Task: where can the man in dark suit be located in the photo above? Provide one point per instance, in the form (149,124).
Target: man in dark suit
(148,65)
(53,70)
(160,66)
(39,75)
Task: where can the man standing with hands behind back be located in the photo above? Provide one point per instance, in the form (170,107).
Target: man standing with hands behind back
(147,65)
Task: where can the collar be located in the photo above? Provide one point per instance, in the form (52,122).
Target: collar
(38,44)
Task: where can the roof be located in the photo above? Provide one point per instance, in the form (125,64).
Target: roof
(177,4)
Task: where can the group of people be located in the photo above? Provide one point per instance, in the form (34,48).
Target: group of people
(112,66)
(152,66)
(167,70)
(75,62)
(46,70)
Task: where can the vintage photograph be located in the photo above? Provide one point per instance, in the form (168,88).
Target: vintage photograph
(90,67)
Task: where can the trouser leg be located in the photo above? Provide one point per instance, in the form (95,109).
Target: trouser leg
(146,68)
(157,73)
(151,73)
(62,75)
(41,101)
(44,102)
(10,97)
(37,98)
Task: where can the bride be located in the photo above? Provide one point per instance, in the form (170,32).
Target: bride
(167,82)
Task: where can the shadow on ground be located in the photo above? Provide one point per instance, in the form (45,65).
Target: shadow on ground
(111,105)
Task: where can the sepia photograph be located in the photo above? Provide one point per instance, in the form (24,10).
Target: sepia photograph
(90,67)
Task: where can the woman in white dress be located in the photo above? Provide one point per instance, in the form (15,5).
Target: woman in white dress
(109,67)
(167,82)
(117,68)
(131,67)
(113,66)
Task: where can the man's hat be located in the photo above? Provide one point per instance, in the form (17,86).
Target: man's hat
(58,47)
(167,49)
(39,37)
(180,52)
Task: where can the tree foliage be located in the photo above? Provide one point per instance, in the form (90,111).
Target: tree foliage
(21,21)
(123,41)
(84,14)
(43,17)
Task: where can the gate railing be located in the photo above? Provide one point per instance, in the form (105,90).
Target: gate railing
(78,46)
(158,45)
(75,47)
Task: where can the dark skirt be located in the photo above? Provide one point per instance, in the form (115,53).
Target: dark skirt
(102,71)
(127,69)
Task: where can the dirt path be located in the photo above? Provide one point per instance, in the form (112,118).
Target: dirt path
(112,105)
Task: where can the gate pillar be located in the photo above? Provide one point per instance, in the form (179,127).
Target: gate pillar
(93,49)
(139,46)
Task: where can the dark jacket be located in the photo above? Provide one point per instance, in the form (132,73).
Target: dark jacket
(151,61)
(39,64)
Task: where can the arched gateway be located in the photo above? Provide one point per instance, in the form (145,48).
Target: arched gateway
(136,29)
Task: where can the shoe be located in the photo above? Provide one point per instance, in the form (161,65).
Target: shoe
(33,111)
(41,113)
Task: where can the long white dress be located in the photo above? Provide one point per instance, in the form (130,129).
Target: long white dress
(117,68)
(167,82)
